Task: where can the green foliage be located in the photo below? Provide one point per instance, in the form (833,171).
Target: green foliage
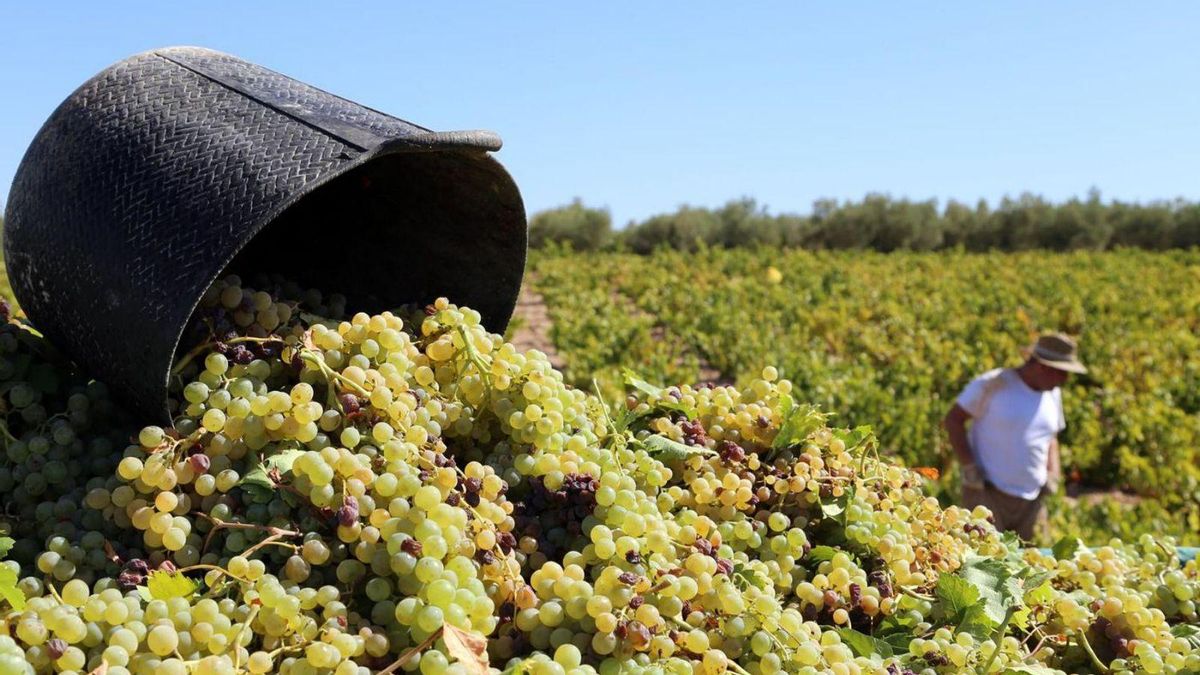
(578,226)
(890,340)
(883,223)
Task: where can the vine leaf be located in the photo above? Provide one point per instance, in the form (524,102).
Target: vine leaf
(162,585)
(9,590)
(799,421)
(259,484)
(470,649)
(864,645)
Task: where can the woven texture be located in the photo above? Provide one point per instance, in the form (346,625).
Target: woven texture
(144,185)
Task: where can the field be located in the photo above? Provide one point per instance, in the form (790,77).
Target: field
(890,339)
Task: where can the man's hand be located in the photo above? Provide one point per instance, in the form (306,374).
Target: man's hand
(972,476)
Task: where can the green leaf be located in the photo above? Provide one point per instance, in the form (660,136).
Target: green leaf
(836,507)
(991,578)
(798,423)
(257,482)
(820,554)
(853,437)
(632,379)
(1065,548)
(660,401)
(1189,632)
(6,544)
(283,461)
(864,645)
(1041,594)
(956,594)
(899,641)
(667,450)
(9,590)
(162,585)
(976,622)
(750,576)
(897,625)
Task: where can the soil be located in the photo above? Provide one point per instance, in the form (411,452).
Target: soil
(533,326)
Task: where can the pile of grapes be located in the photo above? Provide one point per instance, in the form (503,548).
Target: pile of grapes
(406,492)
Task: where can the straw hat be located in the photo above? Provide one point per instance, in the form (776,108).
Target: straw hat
(1057,351)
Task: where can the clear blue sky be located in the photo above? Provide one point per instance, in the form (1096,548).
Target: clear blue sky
(645,106)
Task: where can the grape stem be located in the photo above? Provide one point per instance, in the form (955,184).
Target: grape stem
(476,358)
(425,644)
(732,665)
(205,566)
(6,432)
(237,640)
(998,638)
(311,357)
(272,540)
(197,351)
(1037,647)
(1087,647)
(274,533)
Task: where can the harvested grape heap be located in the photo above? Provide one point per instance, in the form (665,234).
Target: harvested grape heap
(406,492)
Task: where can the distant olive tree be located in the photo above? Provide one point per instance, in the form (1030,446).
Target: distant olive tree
(583,228)
(883,223)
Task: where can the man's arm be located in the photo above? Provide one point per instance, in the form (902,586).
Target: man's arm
(1053,466)
(955,424)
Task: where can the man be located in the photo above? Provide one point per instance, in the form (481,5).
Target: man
(1009,455)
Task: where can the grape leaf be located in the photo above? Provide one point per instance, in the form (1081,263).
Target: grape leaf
(258,483)
(659,398)
(798,422)
(975,621)
(1065,548)
(632,379)
(6,544)
(836,507)
(853,437)
(1190,633)
(956,594)
(820,554)
(998,588)
(469,649)
(750,576)
(864,645)
(898,641)
(162,585)
(9,590)
(667,450)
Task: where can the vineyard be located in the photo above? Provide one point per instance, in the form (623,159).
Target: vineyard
(890,339)
(236,439)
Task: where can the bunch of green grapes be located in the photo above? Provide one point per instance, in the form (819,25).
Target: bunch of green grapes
(62,435)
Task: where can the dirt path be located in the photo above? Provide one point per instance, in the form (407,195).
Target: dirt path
(533,329)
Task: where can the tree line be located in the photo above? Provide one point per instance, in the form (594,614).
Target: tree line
(883,223)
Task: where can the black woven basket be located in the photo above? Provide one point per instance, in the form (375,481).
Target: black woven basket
(174,166)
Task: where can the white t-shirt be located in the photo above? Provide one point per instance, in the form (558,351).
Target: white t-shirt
(1011,429)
